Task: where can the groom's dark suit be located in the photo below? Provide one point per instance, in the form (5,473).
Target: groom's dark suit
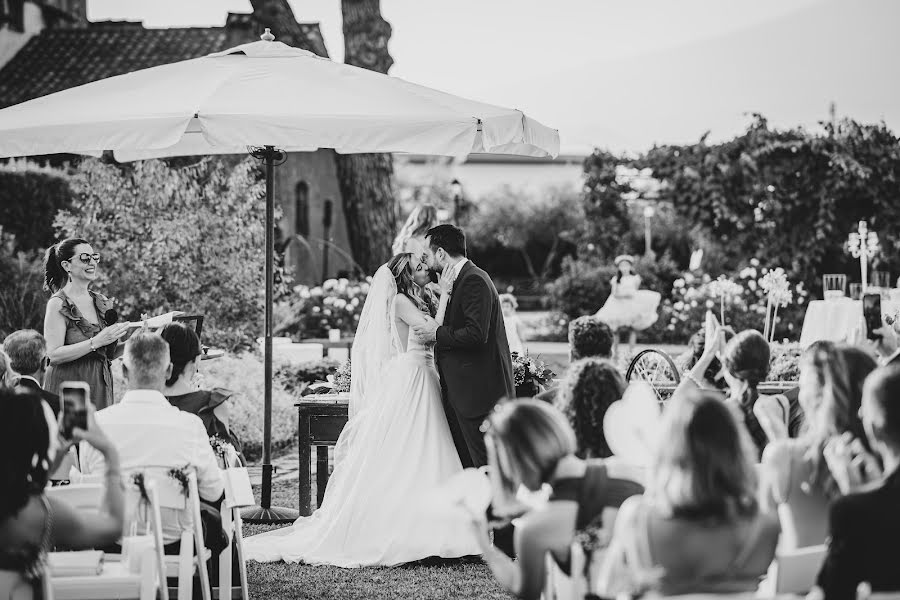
(473,360)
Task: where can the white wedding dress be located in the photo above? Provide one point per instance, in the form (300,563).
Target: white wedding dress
(377,509)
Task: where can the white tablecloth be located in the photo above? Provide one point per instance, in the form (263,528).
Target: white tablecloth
(837,320)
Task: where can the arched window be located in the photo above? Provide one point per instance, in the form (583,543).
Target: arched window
(301,209)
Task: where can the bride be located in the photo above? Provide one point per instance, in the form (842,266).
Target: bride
(396,444)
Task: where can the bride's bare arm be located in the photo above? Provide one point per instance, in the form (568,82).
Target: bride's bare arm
(408,312)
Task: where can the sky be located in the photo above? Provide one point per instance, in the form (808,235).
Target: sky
(622,74)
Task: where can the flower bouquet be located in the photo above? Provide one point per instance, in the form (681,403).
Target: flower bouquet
(723,287)
(530,375)
(778,293)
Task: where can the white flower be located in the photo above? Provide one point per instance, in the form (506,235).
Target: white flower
(329,284)
(315,292)
(326,312)
(354,301)
(340,303)
(754,262)
(751,284)
(710,304)
(343,282)
(679,306)
(694,303)
(679,283)
(316,310)
(328,300)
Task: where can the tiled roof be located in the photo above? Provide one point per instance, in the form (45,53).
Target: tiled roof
(58,59)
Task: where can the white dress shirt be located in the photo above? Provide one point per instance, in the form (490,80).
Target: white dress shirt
(458,267)
(149,432)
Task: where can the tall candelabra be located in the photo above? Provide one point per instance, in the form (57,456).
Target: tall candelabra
(863,244)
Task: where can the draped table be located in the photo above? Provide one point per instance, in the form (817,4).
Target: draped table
(321,418)
(838,320)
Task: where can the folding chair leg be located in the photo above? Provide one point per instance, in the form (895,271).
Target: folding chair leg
(225,558)
(239,543)
(186,568)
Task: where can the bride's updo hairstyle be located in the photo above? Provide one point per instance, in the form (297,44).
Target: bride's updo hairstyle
(55,276)
(530,438)
(703,468)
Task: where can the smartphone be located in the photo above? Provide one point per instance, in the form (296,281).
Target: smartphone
(872,315)
(74,396)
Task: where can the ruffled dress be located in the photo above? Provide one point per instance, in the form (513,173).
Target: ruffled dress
(630,307)
(94,367)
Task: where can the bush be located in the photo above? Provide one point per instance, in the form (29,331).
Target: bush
(296,378)
(22,299)
(581,289)
(30,197)
(242,374)
(186,239)
(309,312)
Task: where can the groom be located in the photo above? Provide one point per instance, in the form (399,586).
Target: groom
(472,353)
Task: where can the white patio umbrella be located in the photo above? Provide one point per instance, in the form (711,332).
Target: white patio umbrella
(266,98)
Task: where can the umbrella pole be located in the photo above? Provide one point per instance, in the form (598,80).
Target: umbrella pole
(265,512)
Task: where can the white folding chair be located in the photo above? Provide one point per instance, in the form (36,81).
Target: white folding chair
(115,582)
(168,493)
(794,571)
(238,494)
(80,496)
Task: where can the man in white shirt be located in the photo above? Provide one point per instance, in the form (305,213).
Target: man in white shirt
(149,432)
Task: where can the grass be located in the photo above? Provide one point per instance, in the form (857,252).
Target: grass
(432,579)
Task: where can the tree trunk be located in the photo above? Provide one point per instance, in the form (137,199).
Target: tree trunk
(366,179)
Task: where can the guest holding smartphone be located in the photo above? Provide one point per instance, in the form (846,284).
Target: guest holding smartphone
(79,325)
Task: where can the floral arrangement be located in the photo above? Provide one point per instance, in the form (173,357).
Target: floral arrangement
(693,294)
(181,476)
(529,371)
(223,449)
(778,293)
(310,312)
(723,287)
(341,378)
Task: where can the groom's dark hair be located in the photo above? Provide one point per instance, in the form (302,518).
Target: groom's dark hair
(449,237)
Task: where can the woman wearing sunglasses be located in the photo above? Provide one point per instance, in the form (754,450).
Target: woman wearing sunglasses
(80,342)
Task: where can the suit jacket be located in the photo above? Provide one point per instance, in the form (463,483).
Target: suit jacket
(472,351)
(864,543)
(48,397)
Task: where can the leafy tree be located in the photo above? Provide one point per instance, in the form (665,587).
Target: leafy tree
(606,217)
(186,239)
(30,196)
(538,228)
(788,196)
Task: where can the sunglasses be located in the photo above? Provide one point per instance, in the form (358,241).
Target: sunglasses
(86,258)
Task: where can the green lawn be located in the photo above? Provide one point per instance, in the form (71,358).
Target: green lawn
(435,579)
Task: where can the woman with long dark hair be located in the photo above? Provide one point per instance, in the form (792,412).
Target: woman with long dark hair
(31,524)
(591,385)
(82,337)
(181,388)
(746,360)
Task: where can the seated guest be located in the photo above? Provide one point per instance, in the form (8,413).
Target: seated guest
(8,377)
(588,338)
(149,432)
(530,443)
(794,473)
(210,405)
(864,525)
(697,528)
(746,358)
(27,353)
(590,386)
(31,524)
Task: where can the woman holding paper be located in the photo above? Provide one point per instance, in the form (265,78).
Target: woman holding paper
(80,324)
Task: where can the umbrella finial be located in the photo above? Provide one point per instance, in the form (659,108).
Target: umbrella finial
(267,36)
